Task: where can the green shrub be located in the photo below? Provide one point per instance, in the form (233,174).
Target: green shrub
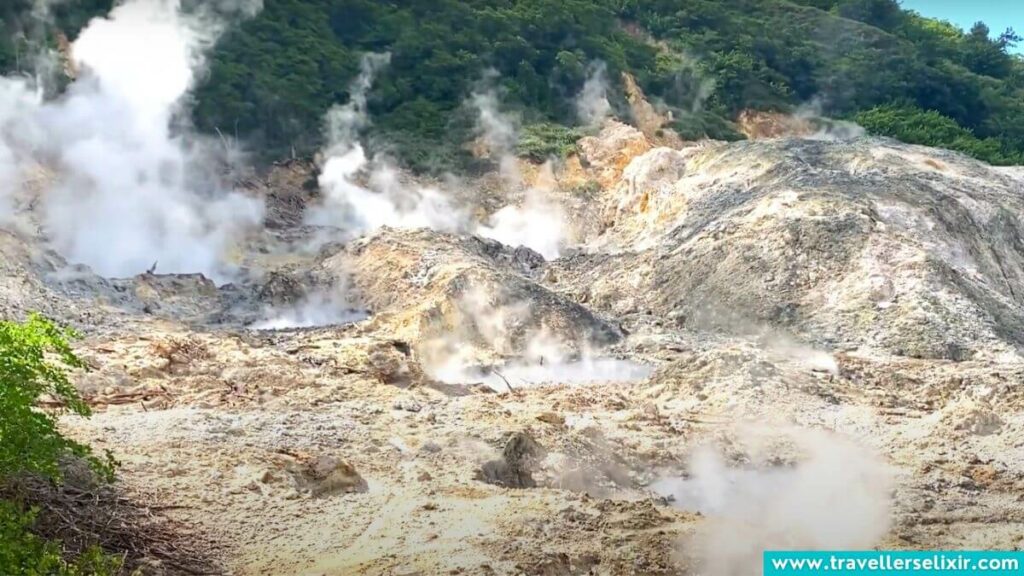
(588,189)
(23,553)
(705,124)
(930,128)
(545,140)
(419,154)
(34,359)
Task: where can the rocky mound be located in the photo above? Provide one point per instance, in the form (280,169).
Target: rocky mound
(434,288)
(859,244)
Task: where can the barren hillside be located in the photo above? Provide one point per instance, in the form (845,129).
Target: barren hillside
(833,323)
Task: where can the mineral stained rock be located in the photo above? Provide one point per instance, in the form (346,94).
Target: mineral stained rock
(793,296)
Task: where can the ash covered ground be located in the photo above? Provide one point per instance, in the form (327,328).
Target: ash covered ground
(779,343)
(651,357)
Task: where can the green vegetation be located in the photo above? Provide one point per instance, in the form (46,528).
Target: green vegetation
(272,78)
(29,439)
(22,553)
(929,128)
(542,141)
(24,31)
(705,124)
(13,42)
(850,56)
(34,357)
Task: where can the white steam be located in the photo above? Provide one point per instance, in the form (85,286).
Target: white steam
(592,106)
(835,497)
(515,375)
(319,309)
(481,326)
(537,222)
(17,101)
(486,331)
(362,194)
(130,191)
(786,347)
(499,132)
(692,82)
(828,129)
(345,122)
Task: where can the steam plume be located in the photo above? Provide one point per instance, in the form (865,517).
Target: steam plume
(488,326)
(827,129)
(498,131)
(317,309)
(836,496)
(362,194)
(537,223)
(16,101)
(131,190)
(592,105)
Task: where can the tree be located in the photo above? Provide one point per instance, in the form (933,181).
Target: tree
(929,128)
(1008,40)
(884,14)
(34,359)
(983,55)
(29,439)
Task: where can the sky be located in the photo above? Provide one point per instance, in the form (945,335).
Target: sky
(998,14)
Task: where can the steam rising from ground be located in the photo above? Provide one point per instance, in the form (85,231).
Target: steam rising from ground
(835,496)
(592,106)
(485,327)
(780,344)
(345,122)
(537,223)
(362,194)
(717,317)
(318,309)
(690,88)
(828,129)
(520,374)
(16,100)
(130,191)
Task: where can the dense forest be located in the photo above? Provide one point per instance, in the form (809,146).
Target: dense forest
(272,77)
